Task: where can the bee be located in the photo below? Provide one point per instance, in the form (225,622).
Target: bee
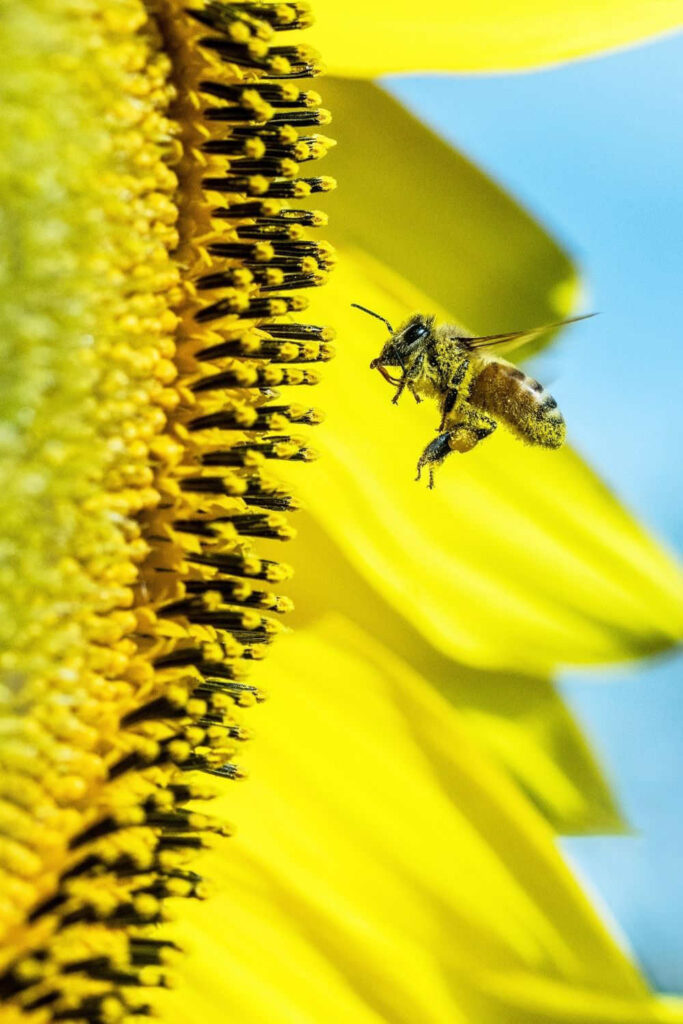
(475,388)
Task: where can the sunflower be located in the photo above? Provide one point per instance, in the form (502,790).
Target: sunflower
(396,860)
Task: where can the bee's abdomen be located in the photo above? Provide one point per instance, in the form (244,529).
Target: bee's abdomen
(519,401)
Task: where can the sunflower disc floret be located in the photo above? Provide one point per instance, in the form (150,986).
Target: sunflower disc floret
(193,288)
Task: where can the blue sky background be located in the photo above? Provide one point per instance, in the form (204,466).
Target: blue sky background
(595,151)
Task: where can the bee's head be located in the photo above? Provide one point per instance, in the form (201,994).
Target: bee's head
(403,342)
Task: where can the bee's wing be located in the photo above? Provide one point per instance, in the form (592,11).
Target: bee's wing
(518,337)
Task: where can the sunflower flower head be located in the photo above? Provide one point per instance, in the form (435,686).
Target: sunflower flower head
(153,282)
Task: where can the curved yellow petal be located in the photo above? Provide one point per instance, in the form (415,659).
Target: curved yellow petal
(519,719)
(452,35)
(413,203)
(385,871)
(519,559)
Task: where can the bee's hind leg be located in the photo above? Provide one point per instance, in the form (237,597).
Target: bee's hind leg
(433,455)
(462,437)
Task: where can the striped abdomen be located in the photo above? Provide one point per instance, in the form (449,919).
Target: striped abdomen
(519,401)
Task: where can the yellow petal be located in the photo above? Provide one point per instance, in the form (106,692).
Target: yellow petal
(452,35)
(519,559)
(519,719)
(413,203)
(385,871)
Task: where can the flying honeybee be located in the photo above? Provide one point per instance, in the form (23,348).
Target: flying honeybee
(472,384)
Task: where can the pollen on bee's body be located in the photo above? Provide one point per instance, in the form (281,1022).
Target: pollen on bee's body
(111,756)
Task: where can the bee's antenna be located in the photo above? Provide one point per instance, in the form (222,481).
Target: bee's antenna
(376,315)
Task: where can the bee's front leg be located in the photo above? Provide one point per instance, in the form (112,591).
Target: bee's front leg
(411,373)
(399,390)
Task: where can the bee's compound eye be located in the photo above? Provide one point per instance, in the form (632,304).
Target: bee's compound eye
(415,331)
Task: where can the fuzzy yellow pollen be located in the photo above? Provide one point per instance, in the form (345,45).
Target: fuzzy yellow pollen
(239,33)
(288,168)
(285,14)
(255,148)
(257,184)
(111,1010)
(263,252)
(288,136)
(177,696)
(280,67)
(179,751)
(275,277)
